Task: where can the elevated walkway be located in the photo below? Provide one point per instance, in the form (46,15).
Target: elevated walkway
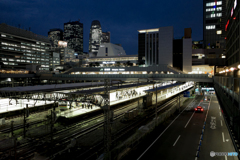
(135,77)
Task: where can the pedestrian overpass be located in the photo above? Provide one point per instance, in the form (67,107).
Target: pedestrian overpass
(130,77)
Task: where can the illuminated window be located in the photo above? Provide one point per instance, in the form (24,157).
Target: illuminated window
(212,15)
(219,8)
(219,3)
(213,3)
(219,32)
(210,9)
(219,14)
(211,27)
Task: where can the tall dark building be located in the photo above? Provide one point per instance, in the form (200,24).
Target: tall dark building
(55,35)
(105,37)
(214,23)
(232,39)
(95,37)
(73,34)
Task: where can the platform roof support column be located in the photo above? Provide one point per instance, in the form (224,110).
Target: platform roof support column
(107,124)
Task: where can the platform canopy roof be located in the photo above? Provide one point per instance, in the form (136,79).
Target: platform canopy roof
(52,87)
(98,91)
(163,87)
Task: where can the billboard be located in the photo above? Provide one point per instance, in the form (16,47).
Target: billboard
(62,44)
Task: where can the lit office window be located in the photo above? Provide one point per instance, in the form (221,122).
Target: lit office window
(213,3)
(211,27)
(219,8)
(210,9)
(219,14)
(212,15)
(219,32)
(219,3)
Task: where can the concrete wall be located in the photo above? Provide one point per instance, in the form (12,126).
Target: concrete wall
(187,55)
(165,45)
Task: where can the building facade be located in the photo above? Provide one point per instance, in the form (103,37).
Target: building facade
(95,36)
(105,37)
(214,23)
(55,35)
(109,49)
(19,47)
(232,39)
(73,34)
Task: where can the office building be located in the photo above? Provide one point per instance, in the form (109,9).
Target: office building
(214,23)
(66,55)
(105,37)
(157,47)
(95,38)
(232,39)
(20,47)
(54,60)
(73,35)
(55,35)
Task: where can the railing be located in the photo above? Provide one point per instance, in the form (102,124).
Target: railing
(198,76)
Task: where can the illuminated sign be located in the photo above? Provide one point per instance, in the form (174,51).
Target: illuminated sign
(62,44)
(235,4)
(232,12)
(121,69)
(114,69)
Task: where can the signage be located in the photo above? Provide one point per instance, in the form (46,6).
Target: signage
(62,44)
(108,62)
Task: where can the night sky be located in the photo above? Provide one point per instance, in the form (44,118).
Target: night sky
(122,18)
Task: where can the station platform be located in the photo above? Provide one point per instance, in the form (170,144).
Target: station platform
(79,110)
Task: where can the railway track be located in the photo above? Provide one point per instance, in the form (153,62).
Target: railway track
(27,149)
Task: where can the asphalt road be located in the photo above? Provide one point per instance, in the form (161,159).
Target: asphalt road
(180,139)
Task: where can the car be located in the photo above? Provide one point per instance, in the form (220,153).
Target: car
(199,109)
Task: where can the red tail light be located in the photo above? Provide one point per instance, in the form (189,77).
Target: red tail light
(195,109)
(201,109)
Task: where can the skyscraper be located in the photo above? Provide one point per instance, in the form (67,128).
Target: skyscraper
(73,34)
(105,37)
(55,35)
(95,37)
(214,23)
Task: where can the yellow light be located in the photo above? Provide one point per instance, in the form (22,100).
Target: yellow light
(227,70)
(232,69)
(239,66)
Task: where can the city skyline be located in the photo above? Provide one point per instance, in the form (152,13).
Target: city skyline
(122,19)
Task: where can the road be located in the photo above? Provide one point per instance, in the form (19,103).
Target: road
(180,139)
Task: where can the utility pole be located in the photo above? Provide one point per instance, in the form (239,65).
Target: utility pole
(107,123)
